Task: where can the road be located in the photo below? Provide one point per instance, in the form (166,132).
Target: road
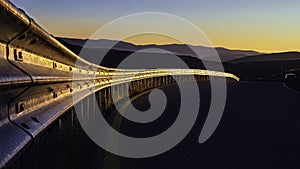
(259,129)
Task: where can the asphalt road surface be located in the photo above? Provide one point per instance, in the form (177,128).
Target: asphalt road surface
(259,129)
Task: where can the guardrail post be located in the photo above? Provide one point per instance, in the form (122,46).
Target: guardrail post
(72,117)
(109,97)
(105,100)
(87,109)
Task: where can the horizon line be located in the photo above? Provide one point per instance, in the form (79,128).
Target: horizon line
(196,45)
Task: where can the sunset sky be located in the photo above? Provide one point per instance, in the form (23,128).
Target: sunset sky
(262,25)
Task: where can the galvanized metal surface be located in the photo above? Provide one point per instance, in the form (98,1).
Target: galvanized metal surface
(38,76)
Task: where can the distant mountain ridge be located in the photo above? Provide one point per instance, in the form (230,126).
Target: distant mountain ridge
(285,56)
(225,55)
(248,65)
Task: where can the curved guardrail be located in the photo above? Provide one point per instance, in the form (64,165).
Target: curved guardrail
(37,79)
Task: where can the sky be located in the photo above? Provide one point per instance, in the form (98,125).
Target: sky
(262,25)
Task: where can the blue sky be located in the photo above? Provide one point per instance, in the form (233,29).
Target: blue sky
(224,21)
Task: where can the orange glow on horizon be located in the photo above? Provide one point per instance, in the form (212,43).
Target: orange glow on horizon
(149,38)
(258,40)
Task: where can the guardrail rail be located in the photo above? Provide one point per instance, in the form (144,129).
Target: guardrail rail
(38,76)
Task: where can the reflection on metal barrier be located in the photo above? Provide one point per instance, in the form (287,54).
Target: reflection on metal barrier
(36,89)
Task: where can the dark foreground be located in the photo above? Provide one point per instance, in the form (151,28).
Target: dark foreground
(259,129)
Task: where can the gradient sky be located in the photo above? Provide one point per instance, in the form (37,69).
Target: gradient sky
(262,25)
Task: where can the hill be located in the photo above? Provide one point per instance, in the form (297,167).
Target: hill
(178,49)
(248,65)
